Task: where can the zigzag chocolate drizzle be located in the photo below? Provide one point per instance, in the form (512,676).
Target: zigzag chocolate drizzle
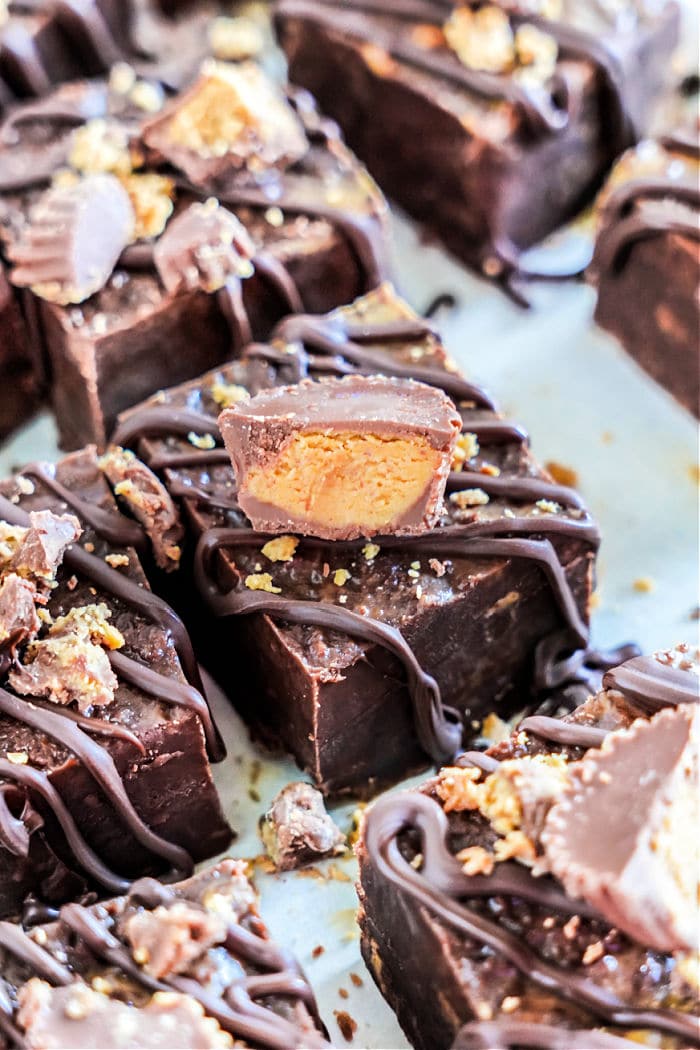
(71,728)
(100,765)
(441,886)
(144,601)
(38,783)
(339,338)
(437,728)
(565,676)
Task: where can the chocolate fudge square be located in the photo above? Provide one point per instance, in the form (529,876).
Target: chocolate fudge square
(532,884)
(648,221)
(367,659)
(317,228)
(188,965)
(491,123)
(104,771)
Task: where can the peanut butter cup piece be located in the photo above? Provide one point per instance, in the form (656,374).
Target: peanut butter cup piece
(624,835)
(343,458)
(203,247)
(233,118)
(74,238)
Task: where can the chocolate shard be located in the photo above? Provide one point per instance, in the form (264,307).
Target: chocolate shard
(622,836)
(203,247)
(61,256)
(343,458)
(297,829)
(232,119)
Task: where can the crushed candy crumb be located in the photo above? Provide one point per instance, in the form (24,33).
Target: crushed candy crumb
(282,548)
(261,581)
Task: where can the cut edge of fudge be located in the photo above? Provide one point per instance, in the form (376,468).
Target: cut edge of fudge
(82,783)
(378,333)
(465,864)
(190,964)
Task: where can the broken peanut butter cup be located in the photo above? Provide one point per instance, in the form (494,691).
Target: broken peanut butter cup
(623,836)
(74,238)
(343,458)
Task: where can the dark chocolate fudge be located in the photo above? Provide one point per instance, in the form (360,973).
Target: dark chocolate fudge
(649,228)
(47,42)
(314,230)
(492,123)
(105,735)
(549,883)
(18,378)
(367,659)
(189,965)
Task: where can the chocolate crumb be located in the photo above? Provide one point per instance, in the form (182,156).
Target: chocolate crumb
(346,1024)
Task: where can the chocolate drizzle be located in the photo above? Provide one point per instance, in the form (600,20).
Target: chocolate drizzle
(111,525)
(100,765)
(440,886)
(651,685)
(335,337)
(234,1009)
(16,942)
(566,675)
(518,536)
(507,1035)
(558,732)
(71,729)
(642,209)
(437,728)
(39,784)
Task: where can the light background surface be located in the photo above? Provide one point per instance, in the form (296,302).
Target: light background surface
(587,406)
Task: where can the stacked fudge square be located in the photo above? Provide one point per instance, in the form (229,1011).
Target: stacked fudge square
(275,469)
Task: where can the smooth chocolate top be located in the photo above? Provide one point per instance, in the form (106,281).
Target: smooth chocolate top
(362,404)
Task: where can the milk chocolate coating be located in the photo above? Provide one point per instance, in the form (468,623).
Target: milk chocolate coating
(630,873)
(257,431)
(73,240)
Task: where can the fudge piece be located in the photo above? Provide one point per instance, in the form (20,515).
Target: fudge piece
(188,965)
(648,223)
(493,123)
(104,730)
(367,659)
(297,830)
(207,266)
(342,458)
(551,879)
(47,42)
